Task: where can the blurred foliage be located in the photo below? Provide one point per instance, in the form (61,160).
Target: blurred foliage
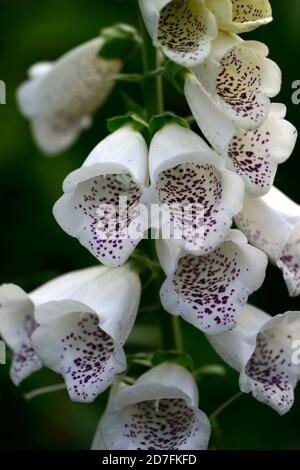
(34,248)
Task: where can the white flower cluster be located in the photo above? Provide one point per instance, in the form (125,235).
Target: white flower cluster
(77,324)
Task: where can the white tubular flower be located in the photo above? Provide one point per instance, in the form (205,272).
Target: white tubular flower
(240,16)
(232,89)
(255,155)
(262,349)
(75,325)
(272,224)
(192,183)
(159,412)
(183,29)
(210,291)
(101,198)
(60,97)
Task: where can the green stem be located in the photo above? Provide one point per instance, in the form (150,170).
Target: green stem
(225,405)
(43,391)
(178,340)
(152,84)
(154,103)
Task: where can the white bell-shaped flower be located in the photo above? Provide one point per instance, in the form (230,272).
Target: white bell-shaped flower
(240,16)
(198,194)
(209,291)
(262,349)
(75,325)
(101,199)
(159,412)
(272,224)
(232,89)
(60,97)
(182,29)
(256,154)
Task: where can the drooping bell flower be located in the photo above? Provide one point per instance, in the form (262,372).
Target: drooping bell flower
(232,89)
(272,224)
(210,291)
(61,97)
(262,350)
(100,201)
(199,194)
(159,412)
(182,29)
(75,325)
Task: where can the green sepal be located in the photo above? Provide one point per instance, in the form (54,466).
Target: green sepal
(119,41)
(161,120)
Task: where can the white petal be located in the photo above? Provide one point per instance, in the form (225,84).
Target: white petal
(182,29)
(255,155)
(40,69)
(199,195)
(101,199)
(237,346)
(60,98)
(158,412)
(75,345)
(16,326)
(217,127)
(94,288)
(169,144)
(240,16)
(210,291)
(167,253)
(272,224)
(166,375)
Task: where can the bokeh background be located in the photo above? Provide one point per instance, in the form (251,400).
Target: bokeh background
(34,248)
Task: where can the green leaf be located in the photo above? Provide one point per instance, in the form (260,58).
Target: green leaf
(181,359)
(161,120)
(119,41)
(136,121)
(175,74)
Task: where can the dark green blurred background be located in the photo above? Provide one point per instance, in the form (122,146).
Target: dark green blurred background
(33,248)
